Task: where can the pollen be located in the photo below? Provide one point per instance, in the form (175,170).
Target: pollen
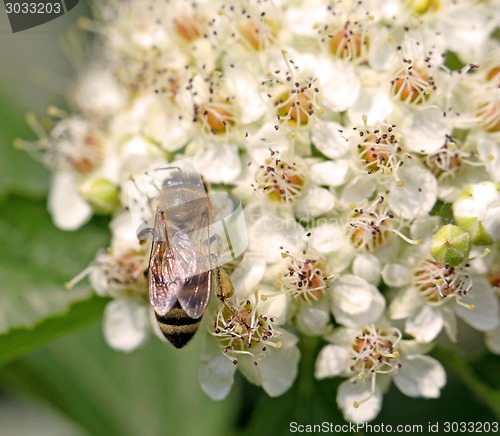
(120,274)
(373,352)
(305,278)
(381,150)
(437,283)
(214,108)
(370,227)
(294,97)
(70,145)
(348,43)
(448,160)
(281,181)
(190,27)
(425,6)
(294,106)
(412,85)
(215,117)
(257,34)
(243,331)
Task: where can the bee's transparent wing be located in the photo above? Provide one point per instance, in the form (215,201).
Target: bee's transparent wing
(229,227)
(225,237)
(193,259)
(165,282)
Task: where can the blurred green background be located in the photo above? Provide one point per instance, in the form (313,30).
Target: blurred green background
(58,377)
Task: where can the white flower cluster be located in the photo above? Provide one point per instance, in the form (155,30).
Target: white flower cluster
(351,130)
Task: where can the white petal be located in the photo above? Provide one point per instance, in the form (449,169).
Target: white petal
(357,190)
(375,104)
(382,53)
(340,84)
(425,131)
(405,303)
(171,132)
(267,137)
(489,151)
(327,238)
(98,93)
(327,138)
(332,360)
(485,315)
(330,173)
(348,393)
(316,201)
(396,275)
(492,339)
(303,19)
(125,324)
(450,323)
(267,233)
(69,211)
(216,372)
(420,376)
(423,228)
(123,233)
(279,368)
(417,195)
(218,163)
(275,305)
(367,267)
(242,83)
(425,324)
(356,302)
(249,272)
(313,319)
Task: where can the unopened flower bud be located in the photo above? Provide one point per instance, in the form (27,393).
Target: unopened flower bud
(450,245)
(101,194)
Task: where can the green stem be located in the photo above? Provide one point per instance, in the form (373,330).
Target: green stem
(462,369)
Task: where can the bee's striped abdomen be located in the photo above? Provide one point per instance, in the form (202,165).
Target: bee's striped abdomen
(177,326)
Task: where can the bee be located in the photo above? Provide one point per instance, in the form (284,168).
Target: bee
(183,268)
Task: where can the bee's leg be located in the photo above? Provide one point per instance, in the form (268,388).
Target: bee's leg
(225,290)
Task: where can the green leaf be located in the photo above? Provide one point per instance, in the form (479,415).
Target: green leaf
(452,61)
(21,341)
(37,259)
(153,391)
(19,172)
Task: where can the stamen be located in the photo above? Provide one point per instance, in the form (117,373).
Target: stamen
(250,337)
(436,282)
(280,180)
(381,150)
(369,226)
(304,278)
(294,97)
(373,352)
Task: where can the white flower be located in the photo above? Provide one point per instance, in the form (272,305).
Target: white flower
(249,337)
(119,273)
(343,127)
(69,211)
(432,295)
(369,356)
